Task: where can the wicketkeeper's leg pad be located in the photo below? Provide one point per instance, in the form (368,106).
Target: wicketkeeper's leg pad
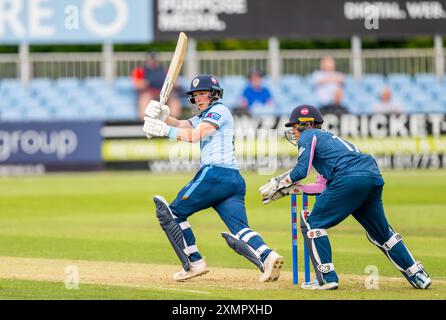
(173,230)
(397,252)
(321,269)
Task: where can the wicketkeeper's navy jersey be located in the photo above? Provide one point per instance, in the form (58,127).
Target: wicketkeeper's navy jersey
(331,156)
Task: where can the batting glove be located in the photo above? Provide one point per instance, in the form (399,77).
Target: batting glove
(155,127)
(155,111)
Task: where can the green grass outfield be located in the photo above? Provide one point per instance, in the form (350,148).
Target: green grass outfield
(104,223)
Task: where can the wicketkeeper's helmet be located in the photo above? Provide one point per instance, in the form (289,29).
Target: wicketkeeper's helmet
(305,113)
(305,116)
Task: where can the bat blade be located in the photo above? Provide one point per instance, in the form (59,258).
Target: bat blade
(174,68)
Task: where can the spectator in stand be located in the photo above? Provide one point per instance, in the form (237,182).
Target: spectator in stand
(256,94)
(326,81)
(148,81)
(386,104)
(336,107)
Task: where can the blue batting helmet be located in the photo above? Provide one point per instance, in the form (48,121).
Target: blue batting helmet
(206,82)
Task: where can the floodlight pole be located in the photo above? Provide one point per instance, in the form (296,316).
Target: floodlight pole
(439,56)
(108,64)
(24,63)
(356,57)
(274,59)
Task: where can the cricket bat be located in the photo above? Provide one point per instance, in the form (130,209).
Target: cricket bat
(174,69)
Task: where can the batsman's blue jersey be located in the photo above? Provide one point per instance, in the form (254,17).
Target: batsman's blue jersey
(218,148)
(331,156)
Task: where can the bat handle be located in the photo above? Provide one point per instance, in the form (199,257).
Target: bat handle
(163,101)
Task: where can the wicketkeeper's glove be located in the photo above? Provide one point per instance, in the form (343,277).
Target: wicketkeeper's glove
(275,184)
(295,188)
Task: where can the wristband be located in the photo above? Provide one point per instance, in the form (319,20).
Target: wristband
(172,134)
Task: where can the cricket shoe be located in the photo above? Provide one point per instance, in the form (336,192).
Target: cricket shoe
(271,266)
(417,276)
(197,268)
(314,285)
(420,280)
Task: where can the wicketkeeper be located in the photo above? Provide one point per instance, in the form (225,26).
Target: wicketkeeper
(218,183)
(354,186)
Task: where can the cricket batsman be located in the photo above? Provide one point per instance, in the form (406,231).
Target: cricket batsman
(354,185)
(218,183)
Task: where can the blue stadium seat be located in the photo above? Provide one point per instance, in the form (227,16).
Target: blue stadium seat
(373,82)
(67,84)
(276,91)
(68,112)
(373,78)
(231,82)
(399,80)
(11,114)
(36,113)
(363,105)
(231,100)
(104,97)
(436,92)
(442,104)
(436,107)
(9,84)
(350,81)
(52,98)
(358,93)
(411,92)
(290,83)
(285,105)
(16,92)
(425,80)
(47,94)
(41,84)
(301,90)
(96,85)
(422,104)
(122,111)
(123,85)
(354,88)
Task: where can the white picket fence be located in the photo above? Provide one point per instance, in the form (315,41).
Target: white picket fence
(221,63)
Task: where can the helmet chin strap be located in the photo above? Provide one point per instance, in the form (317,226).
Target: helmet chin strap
(291,137)
(195,109)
